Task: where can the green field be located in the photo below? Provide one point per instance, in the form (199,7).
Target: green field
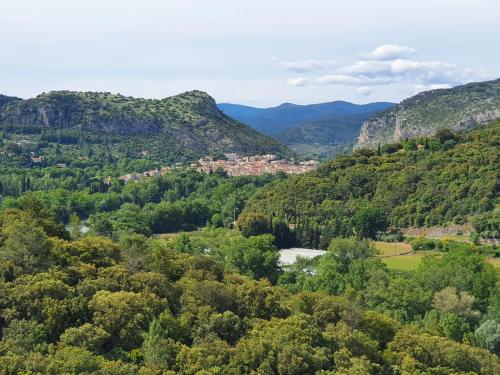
(408,262)
(391,248)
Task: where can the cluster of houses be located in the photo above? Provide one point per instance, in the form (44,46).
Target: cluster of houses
(139,176)
(235,165)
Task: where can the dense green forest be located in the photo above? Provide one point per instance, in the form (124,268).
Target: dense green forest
(206,304)
(449,178)
(89,287)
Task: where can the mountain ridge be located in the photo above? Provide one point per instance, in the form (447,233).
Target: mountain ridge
(274,120)
(459,108)
(190,121)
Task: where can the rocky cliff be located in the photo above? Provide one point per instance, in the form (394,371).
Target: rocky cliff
(460,108)
(190,120)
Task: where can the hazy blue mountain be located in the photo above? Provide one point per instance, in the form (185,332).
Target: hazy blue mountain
(275,120)
(334,130)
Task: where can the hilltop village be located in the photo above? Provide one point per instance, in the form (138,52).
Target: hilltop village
(235,165)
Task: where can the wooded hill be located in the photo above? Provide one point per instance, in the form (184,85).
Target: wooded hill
(459,108)
(184,126)
(452,177)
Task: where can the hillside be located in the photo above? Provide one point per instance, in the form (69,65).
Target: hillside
(451,178)
(188,125)
(274,120)
(334,130)
(459,108)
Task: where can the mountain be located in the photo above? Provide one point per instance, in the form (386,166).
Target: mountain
(334,130)
(188,125)
(459,108)
(4,100)
(275,120)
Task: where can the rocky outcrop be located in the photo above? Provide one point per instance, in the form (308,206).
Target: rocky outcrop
(461,108)
(190,120)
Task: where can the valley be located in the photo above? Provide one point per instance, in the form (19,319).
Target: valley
(136,234)
(249,187)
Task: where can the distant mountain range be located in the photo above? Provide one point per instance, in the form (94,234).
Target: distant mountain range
(276,120)
(331,131)
(314,130)
(188,125)
(460,108)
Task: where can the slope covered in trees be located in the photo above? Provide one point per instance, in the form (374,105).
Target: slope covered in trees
(449,178)
(459,108)
(185,126)
(332,131)
(202,305)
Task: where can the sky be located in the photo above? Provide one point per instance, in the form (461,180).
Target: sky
(258,52)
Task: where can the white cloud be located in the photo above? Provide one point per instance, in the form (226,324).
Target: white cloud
(299,81)
(361,80)
(385,66)
(391,52)
(304,66)
(364,90)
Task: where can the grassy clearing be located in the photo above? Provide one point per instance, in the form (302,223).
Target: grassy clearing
(495,262)
(410,262)
(391,248)
(407,262)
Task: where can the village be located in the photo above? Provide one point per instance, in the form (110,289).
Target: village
(235,165)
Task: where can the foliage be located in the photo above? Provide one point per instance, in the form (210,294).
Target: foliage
(205,303)
(416,188)
(459,108)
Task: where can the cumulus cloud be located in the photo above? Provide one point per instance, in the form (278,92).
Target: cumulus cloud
(364,90)
(385,65)
(391,52)
(343,79)
(299,81)
(305,66)
(384,72)
(391,64)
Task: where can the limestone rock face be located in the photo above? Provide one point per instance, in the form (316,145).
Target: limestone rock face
(190,121)
(460,108)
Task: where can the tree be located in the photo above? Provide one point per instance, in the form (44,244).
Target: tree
(488,336)
(448,301)
(160,351)
(87,336)
(252,224)
(368,221)
(453,326)
(256,257)
(75,225)
(24,336)
(124,315)
(282,234)
(346,263)
(26,246)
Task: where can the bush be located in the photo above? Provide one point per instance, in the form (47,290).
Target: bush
(421,243)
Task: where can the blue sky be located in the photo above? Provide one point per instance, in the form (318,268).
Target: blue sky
(252,52)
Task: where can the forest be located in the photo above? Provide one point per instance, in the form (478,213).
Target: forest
(181,274)
(451,178)
(217,302)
